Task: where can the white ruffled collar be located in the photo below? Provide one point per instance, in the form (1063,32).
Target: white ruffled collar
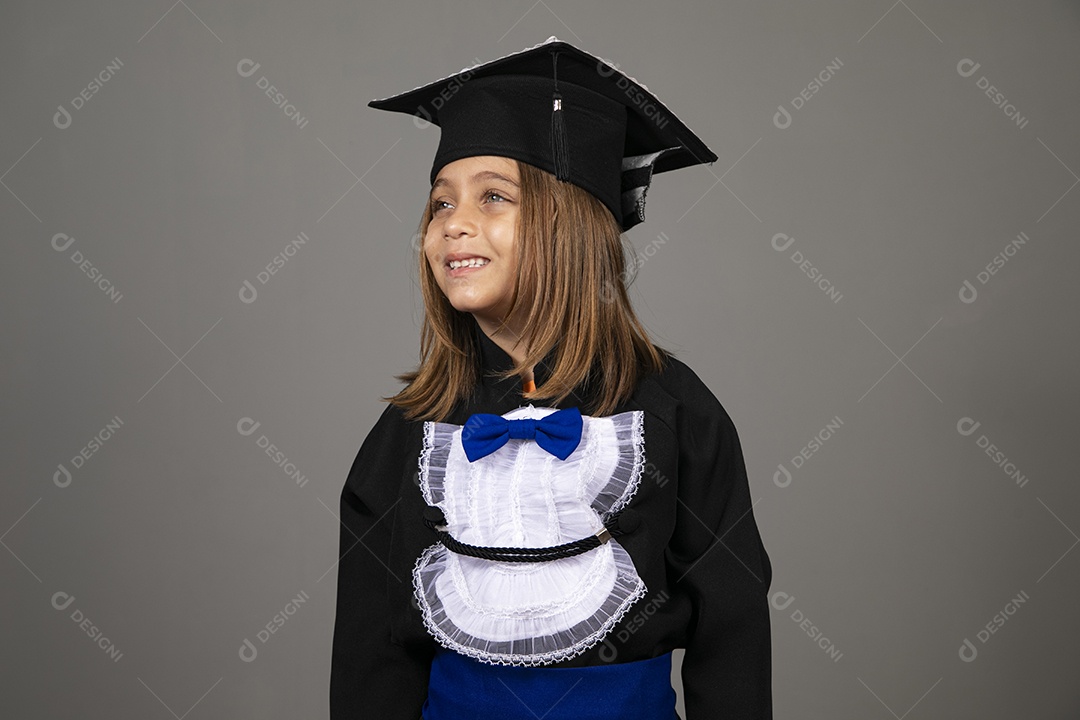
(521,496)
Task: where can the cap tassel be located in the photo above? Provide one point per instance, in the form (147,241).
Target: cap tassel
(560,151)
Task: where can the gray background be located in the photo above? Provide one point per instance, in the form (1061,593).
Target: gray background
(179,180)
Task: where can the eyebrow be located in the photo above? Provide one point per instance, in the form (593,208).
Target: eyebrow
(482,175)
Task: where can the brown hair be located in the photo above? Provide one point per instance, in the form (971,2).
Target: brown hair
(571,270)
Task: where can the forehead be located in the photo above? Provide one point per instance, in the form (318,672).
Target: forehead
(465,169)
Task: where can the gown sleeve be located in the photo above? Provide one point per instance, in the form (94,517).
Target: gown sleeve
(720,560)
(371,676)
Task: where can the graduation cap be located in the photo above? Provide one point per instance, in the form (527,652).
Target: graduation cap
(563,110)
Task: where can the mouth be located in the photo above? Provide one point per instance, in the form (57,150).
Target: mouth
(457,267)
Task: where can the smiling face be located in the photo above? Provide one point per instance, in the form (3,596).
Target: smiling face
(471,241)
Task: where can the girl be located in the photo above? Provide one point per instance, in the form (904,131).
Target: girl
(552,503)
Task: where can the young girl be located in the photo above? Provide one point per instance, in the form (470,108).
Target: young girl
(552,503)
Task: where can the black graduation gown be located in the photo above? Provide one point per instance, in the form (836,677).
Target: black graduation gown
(697,548)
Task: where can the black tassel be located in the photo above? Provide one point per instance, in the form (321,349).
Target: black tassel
(560,151)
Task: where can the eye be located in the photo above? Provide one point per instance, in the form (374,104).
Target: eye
(437,205)
(493,193)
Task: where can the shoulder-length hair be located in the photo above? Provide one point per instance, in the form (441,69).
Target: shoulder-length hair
(572,273)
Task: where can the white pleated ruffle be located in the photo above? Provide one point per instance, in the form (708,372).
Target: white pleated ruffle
(522,496)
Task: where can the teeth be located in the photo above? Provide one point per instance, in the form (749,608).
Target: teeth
(471,262)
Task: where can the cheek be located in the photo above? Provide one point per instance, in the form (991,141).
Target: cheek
(505,236)
(431,252)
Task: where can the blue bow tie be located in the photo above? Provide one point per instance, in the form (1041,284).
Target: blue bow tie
(559,433)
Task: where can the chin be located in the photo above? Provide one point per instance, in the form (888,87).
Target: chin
(468,307)
(469,304)
(480,312)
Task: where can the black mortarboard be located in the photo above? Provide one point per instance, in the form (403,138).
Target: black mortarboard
(565,111)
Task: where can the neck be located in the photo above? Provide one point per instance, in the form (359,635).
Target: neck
(506,337)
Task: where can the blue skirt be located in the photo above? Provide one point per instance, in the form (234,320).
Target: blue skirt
(461,688)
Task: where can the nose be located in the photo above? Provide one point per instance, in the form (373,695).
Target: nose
(459,220)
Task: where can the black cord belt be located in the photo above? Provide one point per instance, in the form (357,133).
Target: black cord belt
(620,523)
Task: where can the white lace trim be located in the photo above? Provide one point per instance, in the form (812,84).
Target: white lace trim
(522,496)
(535,644)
